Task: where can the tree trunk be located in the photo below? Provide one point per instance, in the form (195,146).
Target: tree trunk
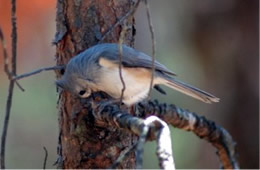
(80,25)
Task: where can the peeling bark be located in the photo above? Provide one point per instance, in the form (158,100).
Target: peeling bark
(80,25)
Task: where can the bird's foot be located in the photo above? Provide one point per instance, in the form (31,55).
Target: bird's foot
(103,104)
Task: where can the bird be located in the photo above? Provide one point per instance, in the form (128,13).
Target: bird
(97,69)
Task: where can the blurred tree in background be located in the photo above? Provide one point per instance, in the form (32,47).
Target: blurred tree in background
(210,44)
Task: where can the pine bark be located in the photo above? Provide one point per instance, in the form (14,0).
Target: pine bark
(80,25)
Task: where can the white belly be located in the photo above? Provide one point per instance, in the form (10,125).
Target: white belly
(137,83)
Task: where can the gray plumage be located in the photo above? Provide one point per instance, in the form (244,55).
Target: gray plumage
(96,69)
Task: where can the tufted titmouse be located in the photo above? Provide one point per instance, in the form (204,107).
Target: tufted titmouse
(97,69)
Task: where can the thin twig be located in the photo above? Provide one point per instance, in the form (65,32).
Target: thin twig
(19,86)
(11,85)
(121,40)
(123,155)
(45,157)
(14,37)
(14,42)
(6,122)
(120,49)
(38,71)
(148,13)
(5,55)
(129,13)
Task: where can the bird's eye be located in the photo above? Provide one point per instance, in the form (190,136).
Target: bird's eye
(82,92)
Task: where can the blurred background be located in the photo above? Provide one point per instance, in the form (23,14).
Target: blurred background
(212,45)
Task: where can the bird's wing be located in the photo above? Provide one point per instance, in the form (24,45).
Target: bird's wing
(131,58)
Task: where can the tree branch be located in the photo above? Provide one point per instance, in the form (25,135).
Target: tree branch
(149,129)
(14,37)
(45,157)
(177,117)
(163,139)
(199,125)
(6,122)
(38,71)
(5,55)
(11,83)
(164,152)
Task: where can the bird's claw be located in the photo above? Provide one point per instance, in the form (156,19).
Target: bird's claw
(104,104)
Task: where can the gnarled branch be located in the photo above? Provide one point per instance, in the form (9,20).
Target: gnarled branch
(199,125)
(177,117)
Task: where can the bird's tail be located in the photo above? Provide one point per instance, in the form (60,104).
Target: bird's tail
(190,91)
